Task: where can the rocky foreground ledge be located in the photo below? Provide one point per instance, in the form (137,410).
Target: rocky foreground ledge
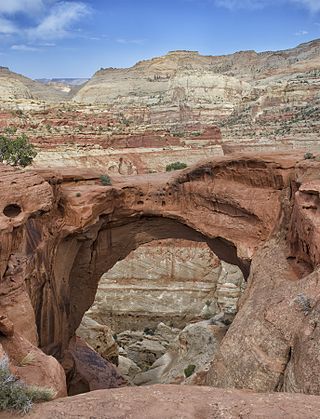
(177,402)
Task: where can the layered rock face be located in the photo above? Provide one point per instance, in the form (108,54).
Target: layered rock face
(62,230)
(168,281)
(249,94)
(182,106)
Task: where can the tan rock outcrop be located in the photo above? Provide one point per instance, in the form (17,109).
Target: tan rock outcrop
(260,96)
(99,337)
(193,348)
(14,86)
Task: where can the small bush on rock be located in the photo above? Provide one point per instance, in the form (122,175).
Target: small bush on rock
(189,370)
(308,156)
(16,395)
(149,331)
(16,151)
(105,180)
(175,166)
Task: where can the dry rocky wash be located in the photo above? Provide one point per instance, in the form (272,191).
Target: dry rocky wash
(260,213)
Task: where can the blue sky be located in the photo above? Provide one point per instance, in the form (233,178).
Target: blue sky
(53,38)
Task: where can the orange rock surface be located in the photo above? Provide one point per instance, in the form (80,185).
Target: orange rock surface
(62,229)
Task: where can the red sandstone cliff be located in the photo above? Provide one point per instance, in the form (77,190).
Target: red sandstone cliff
(61,230)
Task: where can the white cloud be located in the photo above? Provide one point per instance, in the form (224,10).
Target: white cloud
(57,23)
(7,27)
(129,41)
(23,6)
(50,19)
(241,4)
(311,5)
(23,47)
(301,33)
(47,44)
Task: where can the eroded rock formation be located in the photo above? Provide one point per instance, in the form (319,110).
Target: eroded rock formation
(168,281)
(61,230)
(251,95)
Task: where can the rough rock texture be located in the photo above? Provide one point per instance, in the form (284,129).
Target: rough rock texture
(32,366)
(144,347)
(126,161)
(183,402)
(252,95)
(167,281)
(99,337)
(86,370)
(193,348)
(247,209)
(127,368)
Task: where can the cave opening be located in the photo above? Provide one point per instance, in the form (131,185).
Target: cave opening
(12,210)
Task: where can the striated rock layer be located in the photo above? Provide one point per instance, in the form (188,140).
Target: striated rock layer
(168,281)
(272,94)
(182,106)
(61,230)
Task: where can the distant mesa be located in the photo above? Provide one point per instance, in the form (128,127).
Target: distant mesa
(67,81)
(183,51)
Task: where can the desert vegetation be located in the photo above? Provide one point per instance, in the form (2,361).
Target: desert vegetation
(105,180)
(16,151)
(175,166)
(15,394)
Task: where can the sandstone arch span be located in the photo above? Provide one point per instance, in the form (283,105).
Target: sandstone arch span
(216,203)
(71,229)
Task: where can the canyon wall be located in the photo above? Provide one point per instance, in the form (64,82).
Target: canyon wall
(269,95)
(168,281)
(163,107)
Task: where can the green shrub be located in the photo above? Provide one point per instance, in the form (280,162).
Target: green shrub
(189,370)
(16,395)
(149,331)
(308,155)
(16,151)
(175,166)
(78,194)
(10,130)
(105,180)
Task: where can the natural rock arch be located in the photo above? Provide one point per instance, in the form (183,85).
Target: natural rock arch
(72,228)
(82,259)
(222,204)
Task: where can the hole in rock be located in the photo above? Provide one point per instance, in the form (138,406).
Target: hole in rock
(164,307)
(12,210)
